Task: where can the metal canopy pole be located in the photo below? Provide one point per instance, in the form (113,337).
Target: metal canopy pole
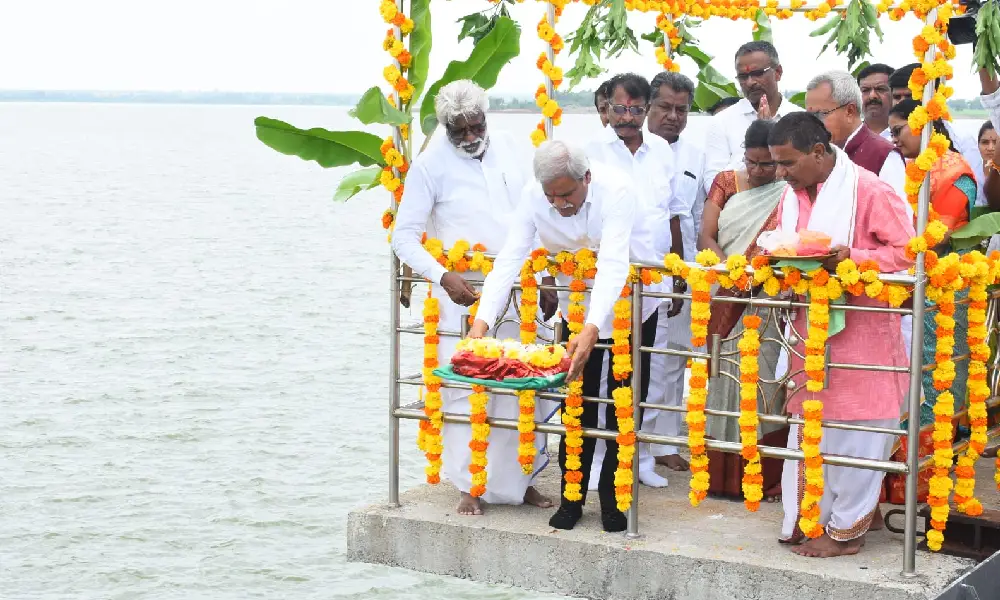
(551,55)
(916,353)
(397,140)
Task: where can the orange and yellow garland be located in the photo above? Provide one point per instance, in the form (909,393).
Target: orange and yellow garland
(402,94)
(550,108)
(528,332)
(429,436)
(749,346)
(621,367)
(480,439)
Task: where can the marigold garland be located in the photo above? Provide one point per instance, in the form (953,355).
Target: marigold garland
(480,439)
(621,367)
(429,435)
(529,333)
(550,108)
(573,410)
(975,270)
(749,346)
(396,165)
(944,409)
(812,429)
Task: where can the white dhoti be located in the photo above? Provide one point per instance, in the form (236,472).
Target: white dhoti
(505,481)
(666,380)
(850,495)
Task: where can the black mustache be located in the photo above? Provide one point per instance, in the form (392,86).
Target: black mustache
(873,102)
(626,125)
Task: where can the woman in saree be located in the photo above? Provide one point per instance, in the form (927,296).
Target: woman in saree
(953,194)
(740,206)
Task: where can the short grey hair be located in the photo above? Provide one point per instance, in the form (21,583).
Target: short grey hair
(843,88)
(555,159)
(462,98)
(674,81)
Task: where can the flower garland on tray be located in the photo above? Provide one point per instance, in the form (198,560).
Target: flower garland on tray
(749,346)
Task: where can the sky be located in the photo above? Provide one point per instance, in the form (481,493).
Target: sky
(322,46)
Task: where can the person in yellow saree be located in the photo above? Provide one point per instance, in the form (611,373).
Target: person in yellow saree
(740,206)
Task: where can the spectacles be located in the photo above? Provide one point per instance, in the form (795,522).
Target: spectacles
(881,89)
(742,77)
(750,164)
(621,109)
(822,114)
(476,129)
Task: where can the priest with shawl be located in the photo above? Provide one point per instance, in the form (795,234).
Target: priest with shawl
(866,221)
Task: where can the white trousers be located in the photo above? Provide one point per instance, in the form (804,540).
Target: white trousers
(850,495)
(666,386)
(505,481)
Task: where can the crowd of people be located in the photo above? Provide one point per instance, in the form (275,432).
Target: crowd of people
(645,187)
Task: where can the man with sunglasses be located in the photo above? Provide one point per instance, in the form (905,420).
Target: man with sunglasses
(465,186)
(758,72)
(835,98)
(650,163)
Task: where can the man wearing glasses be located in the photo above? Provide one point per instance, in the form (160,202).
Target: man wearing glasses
(650,164)
(758,72)
(835,98)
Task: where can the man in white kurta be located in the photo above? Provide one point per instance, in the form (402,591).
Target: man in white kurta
(578,204)
(650,163)
(465,186)
(758,73)
(672,96)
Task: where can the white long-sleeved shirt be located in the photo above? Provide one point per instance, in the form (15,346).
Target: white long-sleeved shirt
(725,135)
(608,222)
(690,190)
(893,170)
(454,197)
(652,170)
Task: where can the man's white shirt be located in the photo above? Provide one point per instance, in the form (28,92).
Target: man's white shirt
(726,133)
(455,197)
(609,222)
(893,170)
(653,171)
(690,190)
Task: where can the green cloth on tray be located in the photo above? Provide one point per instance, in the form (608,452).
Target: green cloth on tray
(516,383)
(838,318)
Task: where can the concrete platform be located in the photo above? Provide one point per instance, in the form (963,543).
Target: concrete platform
(718,551)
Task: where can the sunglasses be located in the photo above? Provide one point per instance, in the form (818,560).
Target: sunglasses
(743,77)
(621,109)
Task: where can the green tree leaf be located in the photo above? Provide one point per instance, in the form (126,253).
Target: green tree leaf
(483,66)
(975,231)
(421,39)
(358,181)
(798,99)
(327,148)
(374,108)
(763,30)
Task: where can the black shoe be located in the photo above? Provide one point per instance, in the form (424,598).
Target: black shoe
(613,520)
(566,517)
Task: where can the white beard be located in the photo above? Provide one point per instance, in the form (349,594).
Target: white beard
(484,143)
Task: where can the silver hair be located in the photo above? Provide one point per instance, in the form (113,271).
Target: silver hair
(462,98)
(843,88)
(557,159)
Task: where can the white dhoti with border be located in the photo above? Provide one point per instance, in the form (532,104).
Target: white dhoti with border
(505,481)
(850,495)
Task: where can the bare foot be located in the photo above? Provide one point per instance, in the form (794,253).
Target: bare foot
(773,494)
(535,498)
(878,521)
(826,547)
(469,506)
(795,540)
(673,461)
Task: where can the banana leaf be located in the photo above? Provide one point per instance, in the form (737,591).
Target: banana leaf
(327,148)
(975,231)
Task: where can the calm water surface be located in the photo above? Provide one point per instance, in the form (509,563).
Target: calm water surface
(193,349)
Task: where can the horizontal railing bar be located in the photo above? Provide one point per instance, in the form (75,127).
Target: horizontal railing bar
(728,447)
(957,448)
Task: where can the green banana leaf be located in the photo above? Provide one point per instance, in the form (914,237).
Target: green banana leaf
(374,108)
(975,231)
(799,99)
(327,148)
(483,66)
(763,31)
(420,45)
(358,181)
